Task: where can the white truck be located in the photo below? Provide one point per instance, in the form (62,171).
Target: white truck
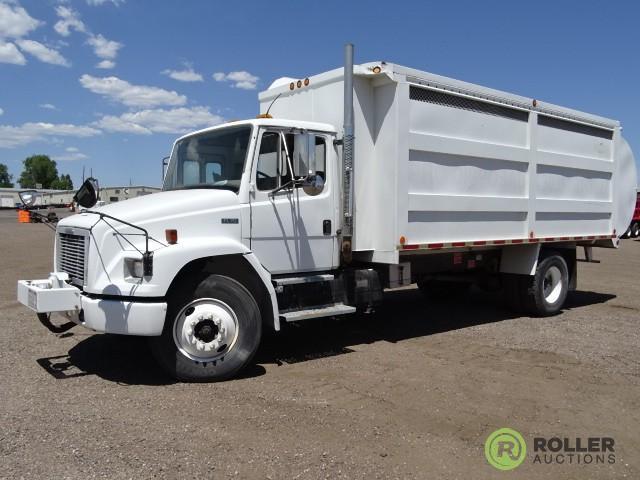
(352,181)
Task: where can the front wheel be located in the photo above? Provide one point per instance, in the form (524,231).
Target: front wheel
(210,333)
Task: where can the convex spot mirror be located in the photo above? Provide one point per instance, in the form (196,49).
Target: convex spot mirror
(87,194)
(313,184)
(28,197)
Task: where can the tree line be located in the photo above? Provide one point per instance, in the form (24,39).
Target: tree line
(37,170)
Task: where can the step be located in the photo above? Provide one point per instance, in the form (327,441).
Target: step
(280,282)
(330,311)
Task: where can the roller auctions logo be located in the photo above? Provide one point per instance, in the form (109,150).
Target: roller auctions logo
(505,449)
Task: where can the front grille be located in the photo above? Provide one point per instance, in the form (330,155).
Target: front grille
(72,251)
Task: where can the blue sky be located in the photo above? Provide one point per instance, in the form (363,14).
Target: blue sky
(108,84)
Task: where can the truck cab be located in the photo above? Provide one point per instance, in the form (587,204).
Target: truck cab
(284,178)
(242,204)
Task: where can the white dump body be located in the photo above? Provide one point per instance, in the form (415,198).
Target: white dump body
(442,163)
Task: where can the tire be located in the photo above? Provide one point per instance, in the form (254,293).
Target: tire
(635,230)
(210,333)
(544,293)
(442,290)
(627,234)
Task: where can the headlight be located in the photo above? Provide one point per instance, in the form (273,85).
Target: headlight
(133,268)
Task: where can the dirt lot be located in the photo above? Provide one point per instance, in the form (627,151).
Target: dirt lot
(411,391)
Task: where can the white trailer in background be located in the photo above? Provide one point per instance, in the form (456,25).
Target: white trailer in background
(344,186)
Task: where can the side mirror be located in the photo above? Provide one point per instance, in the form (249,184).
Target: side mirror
(28,197)
(87,194)
(165,163)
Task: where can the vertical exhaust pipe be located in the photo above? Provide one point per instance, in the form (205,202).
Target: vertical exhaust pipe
(347,155)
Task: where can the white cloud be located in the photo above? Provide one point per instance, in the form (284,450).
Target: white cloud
(186,75)
(104,48)
(9,53)
(241,79)
(72,154)
(146,122)
(97,3)
(14,136)
(48,106)
(69,20)
(15,22)
(43,53)
(131,95)
(106,64)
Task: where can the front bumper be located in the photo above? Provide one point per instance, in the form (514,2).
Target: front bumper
(54,295)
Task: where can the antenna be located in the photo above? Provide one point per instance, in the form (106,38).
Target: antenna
(271,104)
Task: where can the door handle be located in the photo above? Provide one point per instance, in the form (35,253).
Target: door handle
(326,227)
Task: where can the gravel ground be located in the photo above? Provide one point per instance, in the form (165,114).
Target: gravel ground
(411,391)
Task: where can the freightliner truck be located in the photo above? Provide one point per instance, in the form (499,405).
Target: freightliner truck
(352,181)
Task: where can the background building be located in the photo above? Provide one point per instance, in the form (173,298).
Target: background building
(10,198)
(118,194)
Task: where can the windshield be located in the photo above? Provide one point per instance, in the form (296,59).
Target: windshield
(209,160)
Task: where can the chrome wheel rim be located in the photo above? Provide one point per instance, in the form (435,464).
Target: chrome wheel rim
(205,330)
(552,286)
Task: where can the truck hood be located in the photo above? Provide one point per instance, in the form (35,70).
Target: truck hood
(160,207)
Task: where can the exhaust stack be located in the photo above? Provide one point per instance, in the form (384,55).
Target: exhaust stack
(347,155)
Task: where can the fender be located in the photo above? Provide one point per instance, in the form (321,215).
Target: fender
(169,261)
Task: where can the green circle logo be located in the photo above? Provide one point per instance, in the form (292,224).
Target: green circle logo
(505,449)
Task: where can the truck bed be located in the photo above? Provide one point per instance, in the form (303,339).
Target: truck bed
(441,163)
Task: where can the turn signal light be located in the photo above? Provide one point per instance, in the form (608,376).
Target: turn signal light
(172,236)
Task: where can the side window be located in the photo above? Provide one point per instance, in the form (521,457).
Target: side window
(268,170)
(306,152)
(321,157)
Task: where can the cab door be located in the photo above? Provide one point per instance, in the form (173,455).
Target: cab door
(293,214)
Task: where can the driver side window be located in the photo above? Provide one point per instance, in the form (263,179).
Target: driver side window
(306,153)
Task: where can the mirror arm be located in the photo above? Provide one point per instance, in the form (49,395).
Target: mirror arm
(147,256)
(286,151)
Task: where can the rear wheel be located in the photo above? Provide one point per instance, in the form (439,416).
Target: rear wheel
(627,234)
(545,292)
(635,230)
(210,333)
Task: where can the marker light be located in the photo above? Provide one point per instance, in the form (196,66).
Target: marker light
(172,236)
(292,86)
(377,69)
(306,82)
(403,240)
(299,83)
